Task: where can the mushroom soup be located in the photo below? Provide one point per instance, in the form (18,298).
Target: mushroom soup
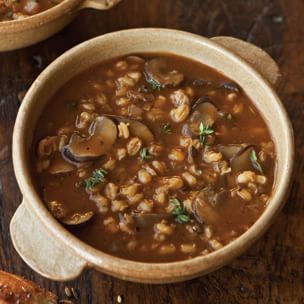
(19,9)
(154,158)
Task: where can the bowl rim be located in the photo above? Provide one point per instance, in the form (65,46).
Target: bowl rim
(37,20)
(134,270)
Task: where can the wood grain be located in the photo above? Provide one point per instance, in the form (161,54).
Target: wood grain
(272,270)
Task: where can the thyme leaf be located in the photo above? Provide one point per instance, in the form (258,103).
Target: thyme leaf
(97,177)
(204,131)
(178,211)
(255,162)
(167,128)
(144,154)
(182,218)
(155,86)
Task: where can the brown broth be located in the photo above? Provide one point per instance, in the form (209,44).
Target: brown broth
(237,122)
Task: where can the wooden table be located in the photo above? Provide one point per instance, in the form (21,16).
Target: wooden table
(272,270)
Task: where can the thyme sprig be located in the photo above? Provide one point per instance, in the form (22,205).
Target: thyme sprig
(97,177)
(204,131)
(179,212)
(144,154)
(255,162)
(155,86)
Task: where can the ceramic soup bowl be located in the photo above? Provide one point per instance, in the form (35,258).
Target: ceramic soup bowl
(17,34)
(55,253)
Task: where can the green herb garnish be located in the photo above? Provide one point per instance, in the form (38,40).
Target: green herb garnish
(72,105)
(144,154)
(97,177)
(155,86)
(204,131)
(167,128)
(178,211)
(255,162)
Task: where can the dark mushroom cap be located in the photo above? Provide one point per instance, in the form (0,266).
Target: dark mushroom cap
(57,209)
(238,155)
(208,112)
(137,128)
(203,111)
(60,213)
(77,218)
(230,150)
(147,219)
(205,203)
(242,160)
(158,70)
(103,134)
(135,59)
(59,166)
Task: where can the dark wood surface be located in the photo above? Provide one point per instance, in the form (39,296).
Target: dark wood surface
(272,271)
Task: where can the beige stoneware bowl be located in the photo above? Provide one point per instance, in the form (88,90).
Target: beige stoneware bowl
(17,34)
(55,253)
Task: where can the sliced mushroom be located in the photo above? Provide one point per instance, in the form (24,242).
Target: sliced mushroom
(205,202)
(202,211)
(203,111)
(77,218)
(59,166)
(158,70)
(239,156)
(230,150)
(140,130)
(145,220)
(208,112)
(60,212)
(136,128)
(135,59)
(49,145)
(214,196)
(103,134)
(57,209)
(192,154)
(242,160)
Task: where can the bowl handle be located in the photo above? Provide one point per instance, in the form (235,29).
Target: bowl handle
(254,55)
(40,251)
(99,4)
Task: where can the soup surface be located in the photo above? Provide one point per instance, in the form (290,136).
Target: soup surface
(153,157)
(19,9)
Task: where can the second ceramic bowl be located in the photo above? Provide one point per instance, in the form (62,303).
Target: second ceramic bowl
(17,34)
(55,253)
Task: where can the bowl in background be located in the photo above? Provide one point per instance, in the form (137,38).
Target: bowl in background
(16,34)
